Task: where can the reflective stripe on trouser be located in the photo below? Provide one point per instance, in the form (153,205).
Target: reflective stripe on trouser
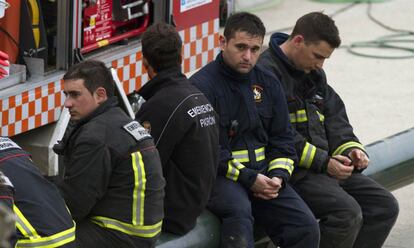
(307,156)
(281,163)
(143,231)
(242,156)
(347,145)
(233,169)
(35,240)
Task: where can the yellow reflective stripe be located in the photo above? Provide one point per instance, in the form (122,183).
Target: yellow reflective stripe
(242,156)
(232,172)
(347,145)
(260,154)
(299,116)
(321,116)
(292,117)
(282,163)
(144,231)
(237,164)
(139,189)
(23,224)
(307,156)
(56,240)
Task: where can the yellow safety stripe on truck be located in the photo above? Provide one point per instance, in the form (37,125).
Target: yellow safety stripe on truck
(35,14)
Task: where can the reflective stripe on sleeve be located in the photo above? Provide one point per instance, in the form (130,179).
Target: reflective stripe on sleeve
(307,156)
(299,116)
(321,116)
(241,156)
(233,169)
(347,145)
(144,231)
(282,163)
(139,189)
(260,154)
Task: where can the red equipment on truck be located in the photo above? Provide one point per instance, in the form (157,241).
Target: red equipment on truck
(56,34)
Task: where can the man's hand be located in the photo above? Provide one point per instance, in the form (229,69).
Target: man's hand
(340,167)
(266,188)
(359,159)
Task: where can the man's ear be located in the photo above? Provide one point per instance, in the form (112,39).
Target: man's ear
(100,95)
(222,41)
(145,63)
(298,39)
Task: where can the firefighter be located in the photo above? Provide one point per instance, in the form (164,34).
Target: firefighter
(256,144)
(184,126)
(113,183)
(42,218)
(7,220)
(354,211)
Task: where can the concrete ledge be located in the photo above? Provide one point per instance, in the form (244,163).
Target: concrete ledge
(392,160)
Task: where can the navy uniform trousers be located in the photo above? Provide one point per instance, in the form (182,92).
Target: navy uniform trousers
(356,212)
(286,219)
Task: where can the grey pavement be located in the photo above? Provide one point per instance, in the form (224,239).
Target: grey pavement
(378,93)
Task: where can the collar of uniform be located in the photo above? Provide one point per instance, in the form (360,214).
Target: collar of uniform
(163,78)
(227,71)
(110,103)
(73,126)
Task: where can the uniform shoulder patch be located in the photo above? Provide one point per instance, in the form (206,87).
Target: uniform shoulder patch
(137,131)
(6,143)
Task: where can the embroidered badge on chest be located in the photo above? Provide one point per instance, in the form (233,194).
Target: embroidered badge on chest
(257,93)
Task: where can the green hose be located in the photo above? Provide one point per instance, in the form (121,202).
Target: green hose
(388,42)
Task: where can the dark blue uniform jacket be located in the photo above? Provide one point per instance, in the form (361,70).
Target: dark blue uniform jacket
(255,132)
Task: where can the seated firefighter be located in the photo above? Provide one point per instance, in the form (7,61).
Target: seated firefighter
(256,144)
(184,126)
(113,183)
(42,218)
(354,210)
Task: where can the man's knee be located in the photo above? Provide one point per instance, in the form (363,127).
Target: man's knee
(388,209)
(348,217)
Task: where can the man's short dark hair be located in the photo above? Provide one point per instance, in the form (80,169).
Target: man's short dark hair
(316,27)
(94,73)
(244,22)
(161,46)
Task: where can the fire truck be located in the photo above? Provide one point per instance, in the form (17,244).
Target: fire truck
(43,38)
